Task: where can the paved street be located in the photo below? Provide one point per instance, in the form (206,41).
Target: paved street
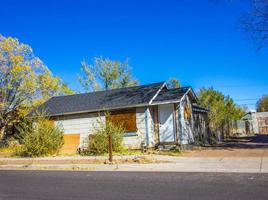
(50,185)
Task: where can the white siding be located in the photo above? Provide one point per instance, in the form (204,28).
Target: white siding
(82,124)
(151,128)
(186,131)
(134,142)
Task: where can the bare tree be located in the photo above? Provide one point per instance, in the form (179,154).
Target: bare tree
(255,22)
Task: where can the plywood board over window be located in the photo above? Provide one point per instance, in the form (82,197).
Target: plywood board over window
(126,118)
(71,143)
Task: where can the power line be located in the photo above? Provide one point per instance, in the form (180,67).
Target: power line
(244,85)
(253,99)
(247,104)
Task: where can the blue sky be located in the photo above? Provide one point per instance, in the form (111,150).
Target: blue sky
(198,41)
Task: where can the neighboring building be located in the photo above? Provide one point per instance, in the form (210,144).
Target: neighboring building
(256,122)
(151,114)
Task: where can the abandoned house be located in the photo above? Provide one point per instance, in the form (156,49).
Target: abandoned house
(151,115)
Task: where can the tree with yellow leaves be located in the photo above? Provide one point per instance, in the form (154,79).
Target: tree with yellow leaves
(25,81)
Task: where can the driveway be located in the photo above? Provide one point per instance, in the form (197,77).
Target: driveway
(55,185)
(250,146)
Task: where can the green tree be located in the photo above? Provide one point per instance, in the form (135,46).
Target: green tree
(262,104)
(222,109)
(173,83)
(25,81)
(105,74)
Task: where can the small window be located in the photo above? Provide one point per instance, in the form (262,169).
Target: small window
(126,118)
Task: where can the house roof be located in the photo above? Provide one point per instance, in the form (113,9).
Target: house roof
(101,100)
(151,94)
(170,95)
(197,108)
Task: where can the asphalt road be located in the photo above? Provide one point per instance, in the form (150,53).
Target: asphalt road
(50,185)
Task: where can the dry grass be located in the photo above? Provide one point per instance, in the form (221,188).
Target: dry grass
(136,160)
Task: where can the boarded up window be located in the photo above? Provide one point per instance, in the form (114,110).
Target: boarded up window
(126,118)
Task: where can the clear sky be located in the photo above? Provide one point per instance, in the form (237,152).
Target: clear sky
(198,41)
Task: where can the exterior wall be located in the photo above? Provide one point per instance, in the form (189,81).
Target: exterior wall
(239,127)
(257,122)
(262,121)
(84,125)
(200,127)
(178,122)
(151,128)
(186,133)
(134,141)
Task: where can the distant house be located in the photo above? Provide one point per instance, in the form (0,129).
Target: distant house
(256,122)
(152,115)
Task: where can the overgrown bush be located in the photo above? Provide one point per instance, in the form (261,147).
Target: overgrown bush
(98,141)
(42,138)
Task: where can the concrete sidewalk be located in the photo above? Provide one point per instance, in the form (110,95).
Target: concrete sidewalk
(170,164)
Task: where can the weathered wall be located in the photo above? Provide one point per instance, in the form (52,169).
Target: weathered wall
(186,134)
(238,127)
(258,122)
(84,125)
(200,127)
(262,121)
(134,141)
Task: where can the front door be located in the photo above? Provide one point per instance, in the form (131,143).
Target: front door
(166,123)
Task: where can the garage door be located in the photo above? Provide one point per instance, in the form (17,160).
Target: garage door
(71,143)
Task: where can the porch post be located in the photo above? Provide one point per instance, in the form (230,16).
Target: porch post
(147,127)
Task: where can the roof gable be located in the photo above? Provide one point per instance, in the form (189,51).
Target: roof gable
(172,95)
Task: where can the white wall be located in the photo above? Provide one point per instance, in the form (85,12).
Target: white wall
(84,125)
(186,135)
(135,142)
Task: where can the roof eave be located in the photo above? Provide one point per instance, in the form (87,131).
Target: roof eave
(96,110)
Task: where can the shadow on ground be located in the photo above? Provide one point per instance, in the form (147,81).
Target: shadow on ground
(248,142)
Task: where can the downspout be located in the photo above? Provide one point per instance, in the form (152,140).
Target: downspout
(147,127)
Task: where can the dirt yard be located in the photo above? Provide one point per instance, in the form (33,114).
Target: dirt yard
(251,146)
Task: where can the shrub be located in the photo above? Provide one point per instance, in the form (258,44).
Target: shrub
(41,139)
(98,141)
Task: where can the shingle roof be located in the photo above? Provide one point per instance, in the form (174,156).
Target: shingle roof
(166,95)
(198,108)
(95,101)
